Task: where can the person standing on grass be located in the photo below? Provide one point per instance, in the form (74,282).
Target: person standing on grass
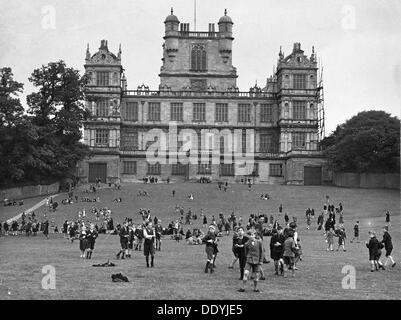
(158,230)
(341,238)
(239,247)
(46,228)
(124,235)
(83,242)
(276,249)
(91,236)
(289,249)
(234,248)
(149,235)
(356,232)
(330,239)
(388,218)
(388,245)
(286,218)
(254,260)
(320,220)
(210,240)
(374,247)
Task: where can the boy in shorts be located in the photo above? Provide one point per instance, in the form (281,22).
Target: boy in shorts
(254,260)
(289,248)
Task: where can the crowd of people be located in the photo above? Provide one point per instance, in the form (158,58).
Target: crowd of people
(247,238)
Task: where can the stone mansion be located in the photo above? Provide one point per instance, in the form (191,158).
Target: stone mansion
(198,93)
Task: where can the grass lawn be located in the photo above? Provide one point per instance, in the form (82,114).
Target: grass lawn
(178,272)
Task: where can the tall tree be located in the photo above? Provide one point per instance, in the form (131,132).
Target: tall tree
(58,111)
(368,142)
(11,109)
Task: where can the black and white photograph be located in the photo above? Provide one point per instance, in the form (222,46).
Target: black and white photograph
(200,150)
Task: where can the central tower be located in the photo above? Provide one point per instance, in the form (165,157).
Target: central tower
(198,60)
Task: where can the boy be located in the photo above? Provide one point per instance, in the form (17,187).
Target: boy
(329,239)
(276,249)
(158,230)
(239,247)
(254,259)
(356,232)
(289,248)
(210,240)
(341,238)
(91,236)
(149,235)
(388,245)
(124,235)
(83,242)
(374,247)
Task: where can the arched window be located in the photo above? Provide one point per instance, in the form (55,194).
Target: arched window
(198,58)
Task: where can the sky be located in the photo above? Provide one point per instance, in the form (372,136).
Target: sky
(358,42)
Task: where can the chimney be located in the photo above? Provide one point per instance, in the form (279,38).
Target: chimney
(211,27)
(103,45)
(297,47)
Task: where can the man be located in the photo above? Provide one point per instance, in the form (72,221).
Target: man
(124,235)
(388,245)
(210,240)
(149,235)
(254,259)
(276,250)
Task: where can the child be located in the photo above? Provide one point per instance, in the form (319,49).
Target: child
(83,241)
(329,239)
(356,232)
(210,240)
(91,238)
(374,247)
(254,260)
(388,245)
(289,254)
(341,238)
(276,249)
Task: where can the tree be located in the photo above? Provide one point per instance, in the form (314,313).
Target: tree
(368,142)
(11,109)
(58,111)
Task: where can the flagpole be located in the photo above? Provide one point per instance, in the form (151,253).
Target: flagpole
(194,15)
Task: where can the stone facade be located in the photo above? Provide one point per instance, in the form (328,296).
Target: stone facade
(198,94)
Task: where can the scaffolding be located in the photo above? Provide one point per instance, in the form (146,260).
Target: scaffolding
(320,105)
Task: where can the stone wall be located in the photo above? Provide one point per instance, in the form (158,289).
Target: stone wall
(29,191)
(367,180)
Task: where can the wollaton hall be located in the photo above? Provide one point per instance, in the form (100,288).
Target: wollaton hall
(198,91)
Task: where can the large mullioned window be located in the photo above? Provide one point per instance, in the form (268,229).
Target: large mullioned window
(102,78)
(198,58)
